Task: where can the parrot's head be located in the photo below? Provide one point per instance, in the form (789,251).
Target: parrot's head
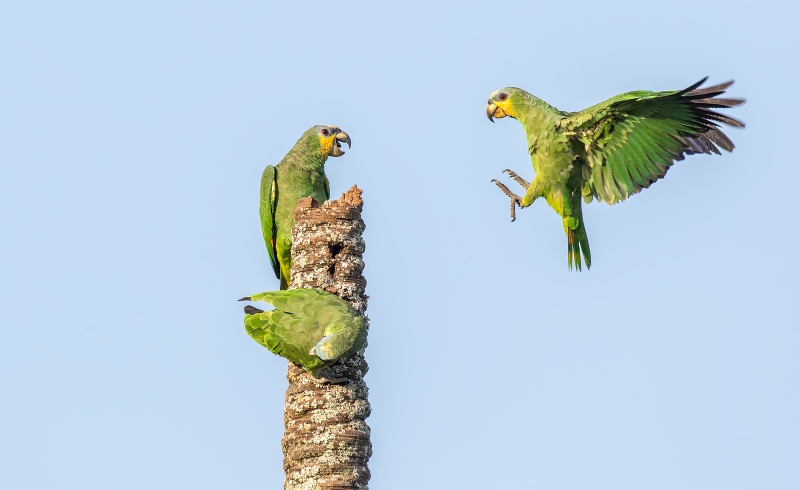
(330,140)
(501,103)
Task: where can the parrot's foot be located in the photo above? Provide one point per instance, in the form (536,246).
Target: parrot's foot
(324,377)
(524,183)
(515,199)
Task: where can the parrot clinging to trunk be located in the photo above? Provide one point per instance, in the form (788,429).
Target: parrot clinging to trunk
(610,150)
(300,174)
(310,327)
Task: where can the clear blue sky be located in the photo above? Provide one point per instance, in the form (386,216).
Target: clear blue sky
(132,139)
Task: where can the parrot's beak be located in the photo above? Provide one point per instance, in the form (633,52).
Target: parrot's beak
(337,148)
(492,111)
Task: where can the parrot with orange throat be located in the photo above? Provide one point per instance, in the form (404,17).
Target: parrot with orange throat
(611,150)
(300,174)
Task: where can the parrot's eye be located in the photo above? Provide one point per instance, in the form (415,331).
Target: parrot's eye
(326,132)
(502,97)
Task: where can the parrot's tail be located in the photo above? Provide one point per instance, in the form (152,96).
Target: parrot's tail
(577,243)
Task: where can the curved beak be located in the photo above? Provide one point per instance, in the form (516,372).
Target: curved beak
(337,148)
(490,109)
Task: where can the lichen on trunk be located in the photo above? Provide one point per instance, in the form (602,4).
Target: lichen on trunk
(326,444)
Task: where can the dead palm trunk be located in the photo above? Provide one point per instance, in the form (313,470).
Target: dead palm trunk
(326,444)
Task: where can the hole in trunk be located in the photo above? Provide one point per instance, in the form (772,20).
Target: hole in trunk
(334,249)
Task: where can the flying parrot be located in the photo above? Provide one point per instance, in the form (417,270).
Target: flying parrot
(300,174)
(610,150)
(310,327)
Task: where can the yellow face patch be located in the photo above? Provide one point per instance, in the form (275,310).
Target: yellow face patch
(504,107)
(326,144)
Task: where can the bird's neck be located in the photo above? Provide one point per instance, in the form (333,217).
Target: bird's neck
(309,160)
(538,119)
(536,115)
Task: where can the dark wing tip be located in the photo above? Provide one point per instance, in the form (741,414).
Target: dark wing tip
(251,310)
(692,87)
(246,298)
(717,103)
(714,89)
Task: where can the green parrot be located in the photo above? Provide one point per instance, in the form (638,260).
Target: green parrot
(610,150)
(310,327)
(300,174)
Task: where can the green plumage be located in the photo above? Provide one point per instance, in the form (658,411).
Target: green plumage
(306,319)
(611,150)
(300,174)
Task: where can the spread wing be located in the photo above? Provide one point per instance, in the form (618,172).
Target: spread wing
(269,197)
(629,141)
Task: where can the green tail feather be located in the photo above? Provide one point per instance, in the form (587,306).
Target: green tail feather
(577,244)
(577,241)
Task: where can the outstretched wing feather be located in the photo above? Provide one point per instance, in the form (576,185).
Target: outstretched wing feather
(634,138)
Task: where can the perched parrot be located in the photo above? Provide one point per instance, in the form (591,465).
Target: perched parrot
(309,327)
(610,150)
(300,174)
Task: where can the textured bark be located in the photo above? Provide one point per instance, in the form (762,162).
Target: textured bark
(326,444)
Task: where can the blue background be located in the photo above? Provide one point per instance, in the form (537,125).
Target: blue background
(132,140)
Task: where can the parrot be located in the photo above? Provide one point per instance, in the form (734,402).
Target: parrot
(300,174)
(310,327)
(611,150)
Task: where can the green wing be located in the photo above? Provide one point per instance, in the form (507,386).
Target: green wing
(306,302)
(304,319)
(269,197)
(629,141)
(286,335)
(327,189)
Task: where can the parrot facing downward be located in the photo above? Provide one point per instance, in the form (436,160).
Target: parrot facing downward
(310,327)
(300,174)
(610,150)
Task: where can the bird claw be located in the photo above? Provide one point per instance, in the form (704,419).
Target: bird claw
(524,183)
(514,203)
(515,199)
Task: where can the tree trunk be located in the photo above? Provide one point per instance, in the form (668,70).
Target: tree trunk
(326,444)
